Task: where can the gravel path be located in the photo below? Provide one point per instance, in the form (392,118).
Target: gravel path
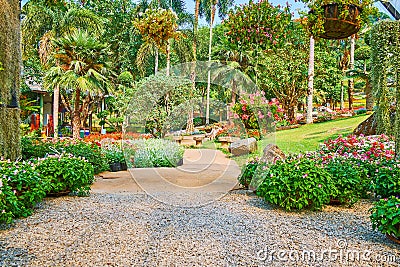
(236,230)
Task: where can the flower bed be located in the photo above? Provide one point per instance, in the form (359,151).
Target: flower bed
(39,148)
(355,166)
(25,183)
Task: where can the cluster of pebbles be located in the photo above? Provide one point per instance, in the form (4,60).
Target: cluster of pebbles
(239,229)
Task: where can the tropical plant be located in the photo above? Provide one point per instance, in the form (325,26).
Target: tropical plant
(348,180)
(157,97)
(21,188)
(385,216)
(65,173)
(295,183)
(80,68)
(37,148)
(386,179)
(157,27)
(248,172)
(284,71)
(43,21)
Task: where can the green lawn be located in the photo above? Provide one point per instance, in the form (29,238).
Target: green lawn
(308,137)
(303,139)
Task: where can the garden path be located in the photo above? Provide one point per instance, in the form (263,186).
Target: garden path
(206,172)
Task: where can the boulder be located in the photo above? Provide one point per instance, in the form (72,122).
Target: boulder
(243,147)
(367,127)
(272,153)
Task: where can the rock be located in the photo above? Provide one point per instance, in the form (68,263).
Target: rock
(272,153)
(367,127)
(243,147)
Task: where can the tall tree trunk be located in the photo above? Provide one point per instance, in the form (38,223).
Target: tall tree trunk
(76,115)
(310,82)
(369,101)
(10,58)
(56,97)
(213,8)
(189,124)
(156,61)
(168,57)
(350,89)
(341,95)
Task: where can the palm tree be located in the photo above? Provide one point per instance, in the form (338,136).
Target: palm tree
(351,66)
(151,43)
(211,5)
(44,21)
(80,67)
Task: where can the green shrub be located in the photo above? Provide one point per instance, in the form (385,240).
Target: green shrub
(247,174)
(91,152)
(348,180)
(21,188)
(386,216)
(37,148)
(361,111)
(386,178)
(113,154)
(34,148)
(152,153)
(295,183)
(63,173)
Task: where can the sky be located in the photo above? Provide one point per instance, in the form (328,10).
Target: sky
(295,6)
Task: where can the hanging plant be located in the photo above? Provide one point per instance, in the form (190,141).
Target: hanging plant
(337,19)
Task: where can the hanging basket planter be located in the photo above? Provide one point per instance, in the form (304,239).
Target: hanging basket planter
(337,21)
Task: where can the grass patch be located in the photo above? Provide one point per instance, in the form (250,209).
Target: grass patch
(302,139)
(309,137)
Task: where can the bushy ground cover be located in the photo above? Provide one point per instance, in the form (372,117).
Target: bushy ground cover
(342,171)
(23,184)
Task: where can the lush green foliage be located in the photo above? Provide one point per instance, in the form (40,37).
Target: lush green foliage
(157,97)
(113,154)
(386,216)
(385,67)
(21,188)
(23,184)
(348,180)
(284,72)
(152,153)
(296,183)
(65,173)
(32,148)
(248,172)
(80,68)
(386,179)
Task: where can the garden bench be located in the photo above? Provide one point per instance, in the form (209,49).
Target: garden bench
(178,139)
(198,139)
(226,141)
